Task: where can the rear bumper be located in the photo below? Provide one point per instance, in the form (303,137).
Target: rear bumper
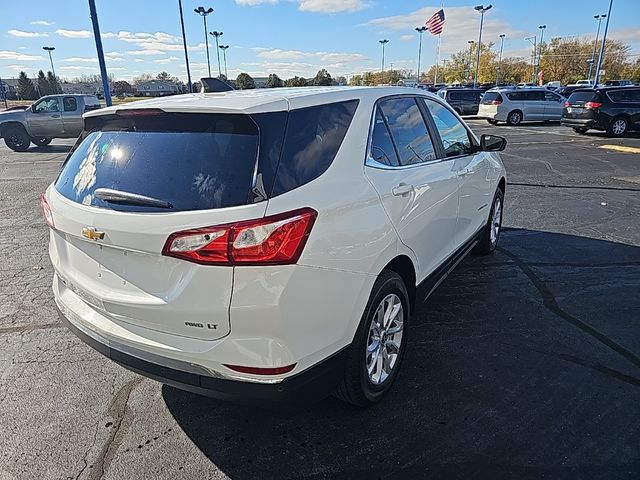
(312,384)
(579,122)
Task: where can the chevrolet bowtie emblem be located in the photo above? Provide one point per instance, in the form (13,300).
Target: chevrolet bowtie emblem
(92,234)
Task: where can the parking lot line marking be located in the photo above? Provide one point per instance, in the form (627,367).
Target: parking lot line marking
(621,148)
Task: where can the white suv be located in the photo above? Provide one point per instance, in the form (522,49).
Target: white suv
(267,244)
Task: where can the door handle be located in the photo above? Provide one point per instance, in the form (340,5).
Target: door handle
(402,190)
(55,115)
(464,172)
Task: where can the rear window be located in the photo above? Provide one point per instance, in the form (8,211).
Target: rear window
(583,96)
(192,161)
(490,97)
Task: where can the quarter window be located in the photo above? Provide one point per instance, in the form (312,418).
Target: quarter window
(408,130)
(382,149)
(455,137)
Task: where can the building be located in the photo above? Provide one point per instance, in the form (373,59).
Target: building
(81,88)
(8,89)
(157,88)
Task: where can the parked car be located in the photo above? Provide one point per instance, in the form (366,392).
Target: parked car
(583,83)
(614,109)
(268,245)
(465,101)
(618,83)
(568,90)
(53,116)
(517,105)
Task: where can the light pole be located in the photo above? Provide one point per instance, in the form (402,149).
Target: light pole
(383,43)
(604,39)
(50,49)
(98,40)
(184,43)
(203,13)
(467,73)
(481,9)
(595,43)
(217,35)
(533,61)
(542,28)
(420,31)
(500,59)
(224,56)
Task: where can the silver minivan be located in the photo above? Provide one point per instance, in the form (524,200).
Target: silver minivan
(517,105)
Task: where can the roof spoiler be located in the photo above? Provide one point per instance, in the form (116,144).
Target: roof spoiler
(210,84)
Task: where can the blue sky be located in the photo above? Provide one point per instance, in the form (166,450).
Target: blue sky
(288,37)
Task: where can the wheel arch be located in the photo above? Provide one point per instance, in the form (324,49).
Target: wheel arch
(9,124)
(502,184)
(403,266)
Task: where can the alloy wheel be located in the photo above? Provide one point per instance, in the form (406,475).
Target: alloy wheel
(619,126)
(384,339)
(496,222)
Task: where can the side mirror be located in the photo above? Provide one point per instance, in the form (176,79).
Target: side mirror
(492,143)
(33,108)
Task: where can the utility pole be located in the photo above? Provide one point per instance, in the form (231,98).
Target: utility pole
(595,43)
(184,43)
(604,40)
(217,35)
(481,9)
(98,39)
(467,72)
(500,59)
(203,13)
(420,31)
(533,57)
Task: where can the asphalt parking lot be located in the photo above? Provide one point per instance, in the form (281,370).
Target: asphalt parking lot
(525,364)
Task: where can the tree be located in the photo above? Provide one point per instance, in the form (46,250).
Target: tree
(323,78)
(356,80)
(54,86)
(196,86)
(121,87)
(43,85)
(145,77)
(274,81)
(25,88)
(341,80)
(295,82)
(167,77)
(245,82)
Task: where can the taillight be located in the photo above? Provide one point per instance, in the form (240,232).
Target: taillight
(275,240)
(592,105)
(567,104)
(496,102)
(46,211)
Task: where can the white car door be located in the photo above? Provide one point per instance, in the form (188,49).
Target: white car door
(419,191)
(471,166)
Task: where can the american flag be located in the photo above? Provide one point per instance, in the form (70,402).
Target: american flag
(435,23)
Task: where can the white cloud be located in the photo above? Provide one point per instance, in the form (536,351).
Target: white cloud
(167,60)
(7,55)
(251,3)
(73,67)
(42,22)
(138,60)
(80,59)
(22,34)
(407,38)
(73,33)
(340,57)
(331,6)
(282,54)
(145,52)
(113,54)
(627,35)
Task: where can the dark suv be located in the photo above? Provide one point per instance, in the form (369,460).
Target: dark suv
(614,109)
(465,101)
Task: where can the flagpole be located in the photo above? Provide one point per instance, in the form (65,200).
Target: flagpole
(435,80)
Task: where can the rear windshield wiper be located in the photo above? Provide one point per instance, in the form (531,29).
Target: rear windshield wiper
(128,198)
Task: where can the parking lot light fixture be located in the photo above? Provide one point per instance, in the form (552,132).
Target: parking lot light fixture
(224,56)
(203,13)
(383,43)
(596,78)
(500,58)
(217,35)
(420,31)
(184,43)
(467,72)
(481,9)
(49,50)
(595,44)
(542,28)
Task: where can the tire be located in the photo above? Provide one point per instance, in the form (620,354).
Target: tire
(580,130)
(16,138)
(618,127)
(489,239)
(359,386)
(41,141)
(514,118)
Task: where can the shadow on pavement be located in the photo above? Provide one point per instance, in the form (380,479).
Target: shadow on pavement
(50,149)
(521,365)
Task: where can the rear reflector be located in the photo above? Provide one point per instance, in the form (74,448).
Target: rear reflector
(592,105)
(46,211)
(275,240)
(262,371)
(567,104)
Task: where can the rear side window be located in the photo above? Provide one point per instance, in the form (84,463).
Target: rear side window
(70,104)
(534,96)
(454,96)
(313,138)
(517,96)
(382,149)
(471,96)
(491,97)
(192,161)
(625,96)
(408,130)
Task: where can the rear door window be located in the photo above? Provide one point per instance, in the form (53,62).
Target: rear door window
(552,97)
(408,130)
(70,104)
(191,161)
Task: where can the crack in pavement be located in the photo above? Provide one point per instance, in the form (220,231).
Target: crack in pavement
(550,302)
(31,328)
(119,410)
(579,187)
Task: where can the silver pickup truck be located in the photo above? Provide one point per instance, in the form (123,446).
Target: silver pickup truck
(53,116)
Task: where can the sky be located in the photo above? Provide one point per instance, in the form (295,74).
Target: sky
(286,37)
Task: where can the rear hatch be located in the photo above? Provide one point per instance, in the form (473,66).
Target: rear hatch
(489,103)
(582,105)
(132,181)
